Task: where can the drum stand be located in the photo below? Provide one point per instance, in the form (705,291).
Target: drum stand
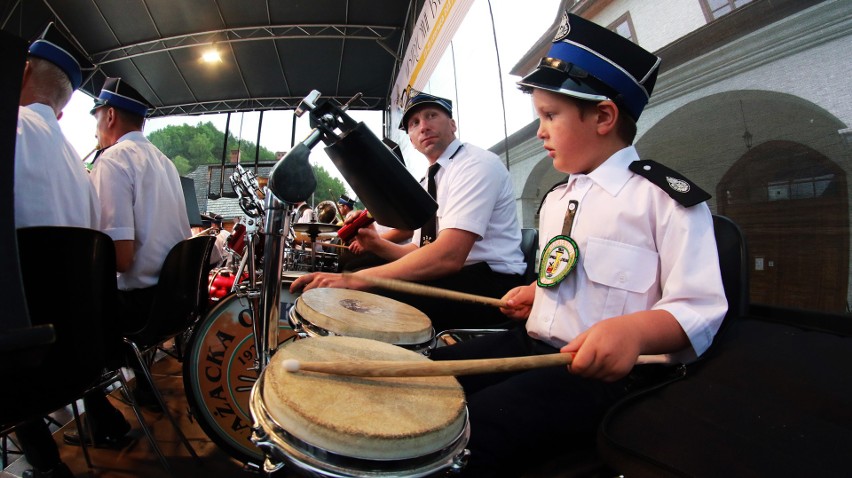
(264,298)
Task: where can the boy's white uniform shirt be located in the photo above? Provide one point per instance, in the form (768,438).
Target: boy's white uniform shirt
(639,250)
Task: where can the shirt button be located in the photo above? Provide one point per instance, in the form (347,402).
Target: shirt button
(622,277)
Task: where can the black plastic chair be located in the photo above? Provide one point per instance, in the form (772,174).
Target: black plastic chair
(179,300)
(623,434)
(733,263)
(69,281)
(529,246)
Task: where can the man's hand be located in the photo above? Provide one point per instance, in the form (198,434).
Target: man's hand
(366,240)
(326,279)
(519,302)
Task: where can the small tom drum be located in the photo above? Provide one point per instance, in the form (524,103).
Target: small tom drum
(221,282)
(357,426)
(352,313)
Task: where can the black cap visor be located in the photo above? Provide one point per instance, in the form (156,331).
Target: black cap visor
(98,103)
(568,83)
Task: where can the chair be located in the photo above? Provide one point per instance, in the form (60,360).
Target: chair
(623,440)
(733,263)
(68,275)
(179,300)
(529,246)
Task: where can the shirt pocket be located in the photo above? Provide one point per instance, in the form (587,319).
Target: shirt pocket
(622,268)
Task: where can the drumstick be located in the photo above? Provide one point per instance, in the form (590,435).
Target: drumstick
(390,368)
(341,246)
(429,291)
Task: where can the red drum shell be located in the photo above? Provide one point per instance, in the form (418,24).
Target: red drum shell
(220,283)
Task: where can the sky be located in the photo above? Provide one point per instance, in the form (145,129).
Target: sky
(467,74)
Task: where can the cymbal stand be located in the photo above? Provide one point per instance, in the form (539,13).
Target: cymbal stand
(246,186)
(291,181)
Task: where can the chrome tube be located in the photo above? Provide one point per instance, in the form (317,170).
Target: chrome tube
(275,225)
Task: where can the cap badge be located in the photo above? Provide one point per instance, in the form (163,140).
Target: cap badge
(564,28)
(678,185)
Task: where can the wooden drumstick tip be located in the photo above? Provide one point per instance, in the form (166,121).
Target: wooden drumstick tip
(292,365)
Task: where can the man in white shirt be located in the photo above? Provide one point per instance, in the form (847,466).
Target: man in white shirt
(473,243)
(52,187)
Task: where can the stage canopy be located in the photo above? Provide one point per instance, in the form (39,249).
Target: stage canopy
(273,53)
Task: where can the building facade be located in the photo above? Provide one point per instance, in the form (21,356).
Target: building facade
(753,103)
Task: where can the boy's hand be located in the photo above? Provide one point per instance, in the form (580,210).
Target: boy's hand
(519,302)
(607,351)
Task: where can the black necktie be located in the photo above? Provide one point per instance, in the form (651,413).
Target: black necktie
(429,230)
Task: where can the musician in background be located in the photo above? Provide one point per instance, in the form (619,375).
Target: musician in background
(211,224)
(143,208)
(144,212)
(345,206)
(473,243)
(52,188)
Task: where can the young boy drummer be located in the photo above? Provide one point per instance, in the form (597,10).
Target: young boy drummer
(629,264)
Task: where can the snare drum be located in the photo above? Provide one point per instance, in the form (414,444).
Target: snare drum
(353,313)
(357,426)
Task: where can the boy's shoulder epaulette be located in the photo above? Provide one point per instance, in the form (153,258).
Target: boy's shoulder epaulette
(673,183)
(560,183)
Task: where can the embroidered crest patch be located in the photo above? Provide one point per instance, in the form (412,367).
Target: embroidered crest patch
(678,185)
(557,260)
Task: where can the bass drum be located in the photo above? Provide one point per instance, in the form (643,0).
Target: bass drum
(218,375)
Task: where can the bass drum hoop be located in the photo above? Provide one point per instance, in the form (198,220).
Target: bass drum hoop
(193,359)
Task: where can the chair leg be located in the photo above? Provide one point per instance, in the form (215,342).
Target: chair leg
(120,377)
(4,443)
(83,434)
(160,400)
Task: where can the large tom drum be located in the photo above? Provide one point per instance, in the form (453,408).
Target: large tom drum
(357,426)
(218,373)
(351,313)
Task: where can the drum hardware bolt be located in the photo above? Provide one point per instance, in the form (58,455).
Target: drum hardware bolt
(251,467)
(460,461)
(269,467)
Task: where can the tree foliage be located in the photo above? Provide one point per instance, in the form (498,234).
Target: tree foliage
(192,146)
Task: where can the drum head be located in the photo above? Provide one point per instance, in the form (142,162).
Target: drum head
(354,313)
(363,417)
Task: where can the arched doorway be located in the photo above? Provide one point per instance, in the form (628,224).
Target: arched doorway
(791,202)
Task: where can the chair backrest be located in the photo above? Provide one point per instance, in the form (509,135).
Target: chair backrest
(733,263)
(13,55)
(69,281)
(529,246)
(181,291)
